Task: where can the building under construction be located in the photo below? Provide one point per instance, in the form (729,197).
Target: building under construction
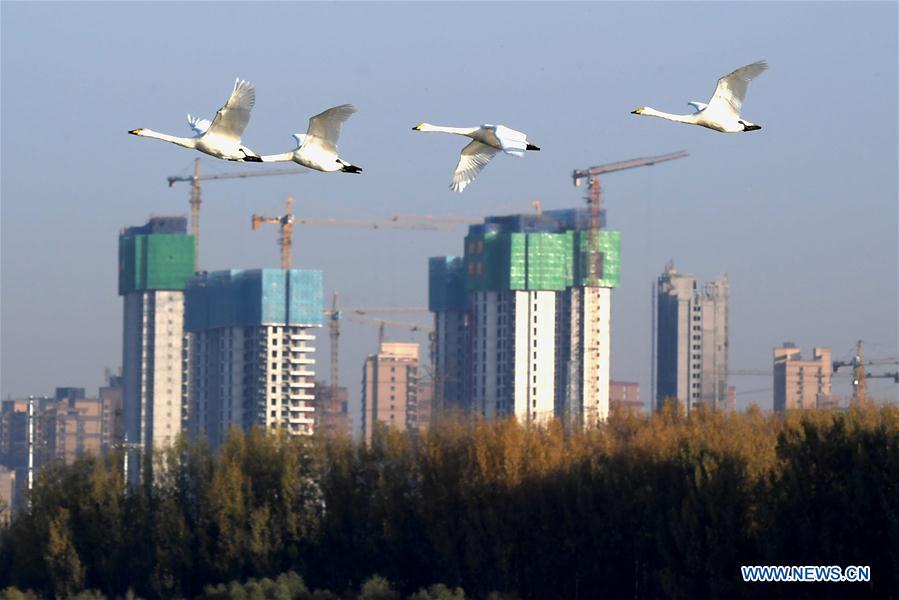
(155,261)
(522,320)
(690,340)
(251,355)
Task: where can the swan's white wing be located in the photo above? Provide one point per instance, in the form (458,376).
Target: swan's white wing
(324,128)
(732,88)
(475,157)
(697,105)
(512,142)
(198,124)
(231,119)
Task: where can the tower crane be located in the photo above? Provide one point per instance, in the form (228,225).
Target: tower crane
(382,323)
(591,174)
(860,376)
(195,199)
(288,220)
(358,314)
(286,223)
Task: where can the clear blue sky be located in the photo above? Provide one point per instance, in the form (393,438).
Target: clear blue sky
(802,215)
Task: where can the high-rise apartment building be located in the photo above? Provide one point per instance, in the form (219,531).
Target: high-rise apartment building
(422,411)
(251,354)
(690,340)
(523,321)
(448,301)
(332,415)
(390,388)
(625,394)
(802,383)
(111,402)
(155,261)
(72,426)
(7,494)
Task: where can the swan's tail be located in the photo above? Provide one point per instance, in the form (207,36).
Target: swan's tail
(249,155)
(348,168)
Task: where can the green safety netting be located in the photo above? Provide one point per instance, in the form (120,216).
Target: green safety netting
(156,261)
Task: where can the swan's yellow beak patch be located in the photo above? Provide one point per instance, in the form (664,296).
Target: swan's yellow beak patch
(417,127)
(135,131)
(639,111)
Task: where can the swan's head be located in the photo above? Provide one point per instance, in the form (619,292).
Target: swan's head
(638,111)
(421,127)
(136,132)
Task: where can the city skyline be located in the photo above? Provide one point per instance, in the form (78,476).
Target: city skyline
(801,215)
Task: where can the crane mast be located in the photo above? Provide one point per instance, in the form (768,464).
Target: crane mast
(195,212)
(859,384)
(196,199)
(334,331)
(285,221)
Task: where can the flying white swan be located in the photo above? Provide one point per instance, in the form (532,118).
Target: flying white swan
(488,140)
(221,136)
(317,149)
(722,113)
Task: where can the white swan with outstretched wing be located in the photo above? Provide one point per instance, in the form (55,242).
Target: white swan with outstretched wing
(220,137)
(723,111)
(317,148)
(488,140)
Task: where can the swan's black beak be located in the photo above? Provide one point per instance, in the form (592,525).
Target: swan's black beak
(135,131)
(416,128)
(635,112)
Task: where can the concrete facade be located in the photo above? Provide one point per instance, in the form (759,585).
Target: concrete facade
(802,384)
(332,416)
(625,394)
(690,340)
(451,383)
(523,321)
(7,494)
(390,388)
(153,367)
(251,353)
(154,262)
(245,376)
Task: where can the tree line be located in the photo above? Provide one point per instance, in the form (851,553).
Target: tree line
(665,505)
